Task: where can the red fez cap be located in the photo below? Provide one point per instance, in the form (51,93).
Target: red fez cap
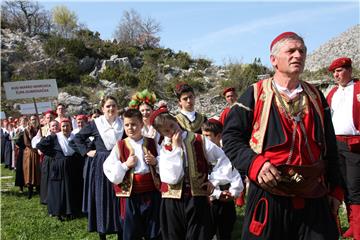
(65,120)
(229,89)
(215,121)
(157,112)
(181,88)
(51,112)
(282,36)
(81,117)
(340,62)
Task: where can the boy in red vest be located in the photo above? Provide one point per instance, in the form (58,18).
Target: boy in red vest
(184,163)
(222,199)
(131,167)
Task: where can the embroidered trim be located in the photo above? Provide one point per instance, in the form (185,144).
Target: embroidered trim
(190,126)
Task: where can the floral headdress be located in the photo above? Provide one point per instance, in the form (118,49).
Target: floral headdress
(142,97)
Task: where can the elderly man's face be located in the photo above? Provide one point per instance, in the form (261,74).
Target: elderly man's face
(342,75)
(291,58)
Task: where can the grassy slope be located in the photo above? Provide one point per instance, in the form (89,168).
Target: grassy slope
(22,218)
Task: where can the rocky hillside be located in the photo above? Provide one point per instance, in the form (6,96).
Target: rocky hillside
(346,44)
(88,68)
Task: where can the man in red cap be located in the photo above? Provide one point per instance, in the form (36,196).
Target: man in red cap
(230,97)
(281,136)
(344,101)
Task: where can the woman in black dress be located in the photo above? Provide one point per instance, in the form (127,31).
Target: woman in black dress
(103,206)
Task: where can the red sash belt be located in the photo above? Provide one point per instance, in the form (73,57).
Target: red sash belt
(353,142)
(143,183)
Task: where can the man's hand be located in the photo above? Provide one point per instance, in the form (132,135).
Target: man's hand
(91,153)
(268,175)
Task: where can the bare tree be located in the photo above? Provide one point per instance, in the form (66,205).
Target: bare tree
(27,16)
(134,30)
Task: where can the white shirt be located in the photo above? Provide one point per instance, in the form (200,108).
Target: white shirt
(171,164)
(236,185)
(287,92)
(342,110)
(190,115)
(115,170)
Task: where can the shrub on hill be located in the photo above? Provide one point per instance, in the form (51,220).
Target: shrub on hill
(148,78)
(122,75)
(74,46)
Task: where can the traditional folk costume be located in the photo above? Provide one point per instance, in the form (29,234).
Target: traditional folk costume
(190,121)
(185,210)
(345,108)
(138,188)
(226,110)
(7,148)
(102,206)
(295,134)
(224,114)
(2,138)
(31,159)
(223,212)
(45,161)
(65,185)
(19,172)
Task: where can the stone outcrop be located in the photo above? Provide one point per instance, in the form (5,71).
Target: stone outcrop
(347,44)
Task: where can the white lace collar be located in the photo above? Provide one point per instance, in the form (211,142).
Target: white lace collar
(64,143)
(109,133)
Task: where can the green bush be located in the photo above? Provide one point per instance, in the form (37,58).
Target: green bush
(202,63)
(66,73)
(122,98)
(75,47)
(183,60)
(121,75)
(243,75)
(75,90)
(88,81)
(147,78)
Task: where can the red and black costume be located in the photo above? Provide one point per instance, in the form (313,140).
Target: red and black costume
(349,153)
(296,136)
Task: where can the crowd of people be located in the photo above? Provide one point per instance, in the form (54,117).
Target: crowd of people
(143,173)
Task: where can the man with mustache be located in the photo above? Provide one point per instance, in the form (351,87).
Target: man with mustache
(281,136)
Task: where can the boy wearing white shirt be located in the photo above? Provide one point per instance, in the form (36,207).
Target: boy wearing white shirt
(222,199)
(184,167)
(188,118)
(131,167)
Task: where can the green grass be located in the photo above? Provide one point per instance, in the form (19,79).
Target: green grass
(27,219)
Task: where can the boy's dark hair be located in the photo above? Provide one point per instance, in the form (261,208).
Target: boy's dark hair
(133,113)
(182,88)
(60,104)
(213,126)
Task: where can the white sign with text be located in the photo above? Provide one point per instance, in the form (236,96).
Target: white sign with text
(31,89)
(29,108)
